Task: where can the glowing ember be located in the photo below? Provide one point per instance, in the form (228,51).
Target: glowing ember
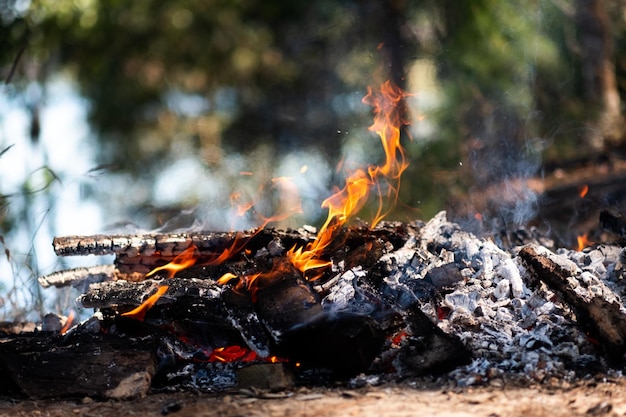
(583,191)
(231,354)
(345,203)
(139,313)
(239,354)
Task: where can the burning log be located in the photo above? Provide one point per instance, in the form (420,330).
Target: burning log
(172,244)
(196,309)
(597,307)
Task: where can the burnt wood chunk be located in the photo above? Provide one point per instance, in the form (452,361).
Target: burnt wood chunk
(344,342)
(428,349)
(597,308)
(99,366)
(445,276)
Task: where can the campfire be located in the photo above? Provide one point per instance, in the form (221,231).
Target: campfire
(351,301)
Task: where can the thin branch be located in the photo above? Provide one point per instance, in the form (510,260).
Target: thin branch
(16,61)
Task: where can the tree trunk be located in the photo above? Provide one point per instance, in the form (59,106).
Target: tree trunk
(598,72)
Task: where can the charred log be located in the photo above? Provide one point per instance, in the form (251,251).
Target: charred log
(345,343)
(207,243)
(304,332)
(196,309)
(428,349)
(597,308)
(78,277)
(169,245)
(89,365)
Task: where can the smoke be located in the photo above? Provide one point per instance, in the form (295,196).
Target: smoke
(506,167)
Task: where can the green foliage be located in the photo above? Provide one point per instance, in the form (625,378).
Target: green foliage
(252,77)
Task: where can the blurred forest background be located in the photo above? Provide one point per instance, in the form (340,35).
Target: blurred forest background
(181,108)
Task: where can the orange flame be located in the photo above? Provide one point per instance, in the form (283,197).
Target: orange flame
(139,313)
(68,322)
(181,261)
(345,203)
(583,242)
(236,247)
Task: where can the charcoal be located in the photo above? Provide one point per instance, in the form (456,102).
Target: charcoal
(444,276)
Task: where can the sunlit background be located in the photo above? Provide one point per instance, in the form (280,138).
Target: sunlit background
(128,117)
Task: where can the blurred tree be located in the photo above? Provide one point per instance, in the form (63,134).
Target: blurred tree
(235,76)
(216,77)
(599,84)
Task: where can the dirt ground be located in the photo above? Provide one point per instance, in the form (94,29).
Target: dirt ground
(583,398)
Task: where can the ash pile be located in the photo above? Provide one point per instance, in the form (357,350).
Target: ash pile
(398,301)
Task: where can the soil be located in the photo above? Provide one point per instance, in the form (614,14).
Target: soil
(591,397)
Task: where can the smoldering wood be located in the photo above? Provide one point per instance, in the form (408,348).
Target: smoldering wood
(198,309)
(597,308)
(303,331)
(124,294)
(46,366)
(78,277)
(428,349)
